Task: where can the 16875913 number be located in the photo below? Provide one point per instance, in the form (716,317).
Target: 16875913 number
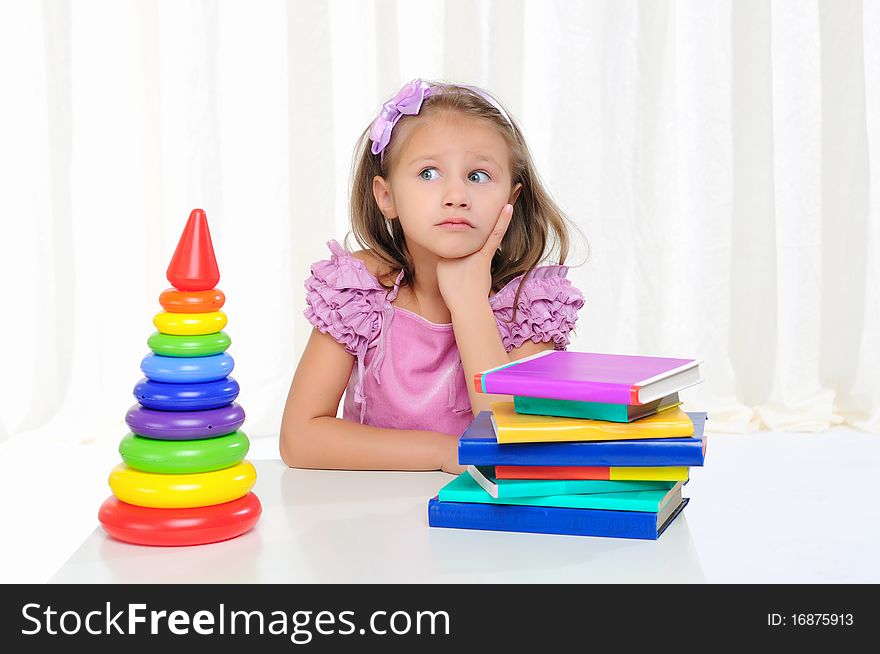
(810,620)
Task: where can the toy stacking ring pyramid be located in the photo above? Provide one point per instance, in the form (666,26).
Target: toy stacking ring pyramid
(184,479)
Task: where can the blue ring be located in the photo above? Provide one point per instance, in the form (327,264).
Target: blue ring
(182,370)
(186,397)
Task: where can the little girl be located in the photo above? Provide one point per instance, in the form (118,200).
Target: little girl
(453,220)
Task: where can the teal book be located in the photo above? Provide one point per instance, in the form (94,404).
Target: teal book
(485,477)
(544,406)
(464,489)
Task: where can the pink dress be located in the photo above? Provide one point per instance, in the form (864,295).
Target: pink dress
(409,373)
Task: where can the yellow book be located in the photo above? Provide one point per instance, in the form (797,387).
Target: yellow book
(512,427)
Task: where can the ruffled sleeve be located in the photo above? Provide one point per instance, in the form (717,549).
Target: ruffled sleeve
(546,310)
(346,301)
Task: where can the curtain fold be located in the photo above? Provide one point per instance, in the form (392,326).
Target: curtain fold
(716,156)
(50,367)
(311,181)
(845,195)
(753,247)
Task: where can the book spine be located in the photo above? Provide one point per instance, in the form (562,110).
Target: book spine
(654,453)
(577,473)
(540,406)
(590,432)
(555,472)
(545,487)
(604,501)
(543,520)
(503,384)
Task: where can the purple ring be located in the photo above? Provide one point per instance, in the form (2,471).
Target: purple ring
(184,425)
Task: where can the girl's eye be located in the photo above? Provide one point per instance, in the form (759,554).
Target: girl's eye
(428,173)
(475,176)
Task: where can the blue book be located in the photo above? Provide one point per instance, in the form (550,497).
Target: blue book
(552,520)
(478,446)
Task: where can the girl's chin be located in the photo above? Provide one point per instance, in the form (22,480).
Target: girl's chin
(453,251)
(452,246)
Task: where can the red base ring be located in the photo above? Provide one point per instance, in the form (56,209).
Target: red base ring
(176,527)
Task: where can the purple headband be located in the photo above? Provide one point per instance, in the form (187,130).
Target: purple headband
(408,102)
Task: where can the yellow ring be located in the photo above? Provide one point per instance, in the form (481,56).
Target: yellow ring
(189,324)
(182,491)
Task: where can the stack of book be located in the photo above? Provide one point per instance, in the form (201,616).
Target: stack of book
(592,445)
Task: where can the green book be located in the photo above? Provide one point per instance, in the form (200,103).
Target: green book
(464,489)
(485,477)
(542,406)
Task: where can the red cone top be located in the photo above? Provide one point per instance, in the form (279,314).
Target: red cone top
(193,266)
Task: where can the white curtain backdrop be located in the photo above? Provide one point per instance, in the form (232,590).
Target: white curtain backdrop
(716,154)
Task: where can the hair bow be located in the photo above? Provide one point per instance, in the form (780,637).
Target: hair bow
(408,101)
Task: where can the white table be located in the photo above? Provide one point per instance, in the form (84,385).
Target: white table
(766,508)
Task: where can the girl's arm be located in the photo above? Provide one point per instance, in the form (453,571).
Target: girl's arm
(481,348)
(313,437)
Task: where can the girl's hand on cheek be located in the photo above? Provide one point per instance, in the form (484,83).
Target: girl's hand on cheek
(469,279)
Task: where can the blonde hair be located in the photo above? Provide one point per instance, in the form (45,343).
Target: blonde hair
(537,229)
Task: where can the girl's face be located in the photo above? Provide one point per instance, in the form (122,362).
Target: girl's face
(450,180)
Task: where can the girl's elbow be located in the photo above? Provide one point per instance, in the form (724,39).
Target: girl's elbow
(286,456)
(291,448)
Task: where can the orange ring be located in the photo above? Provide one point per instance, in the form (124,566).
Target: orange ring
(175,301)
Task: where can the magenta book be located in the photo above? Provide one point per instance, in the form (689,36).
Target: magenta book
(591,377)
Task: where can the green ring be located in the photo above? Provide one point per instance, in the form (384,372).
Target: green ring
(180,457)
(202,345)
